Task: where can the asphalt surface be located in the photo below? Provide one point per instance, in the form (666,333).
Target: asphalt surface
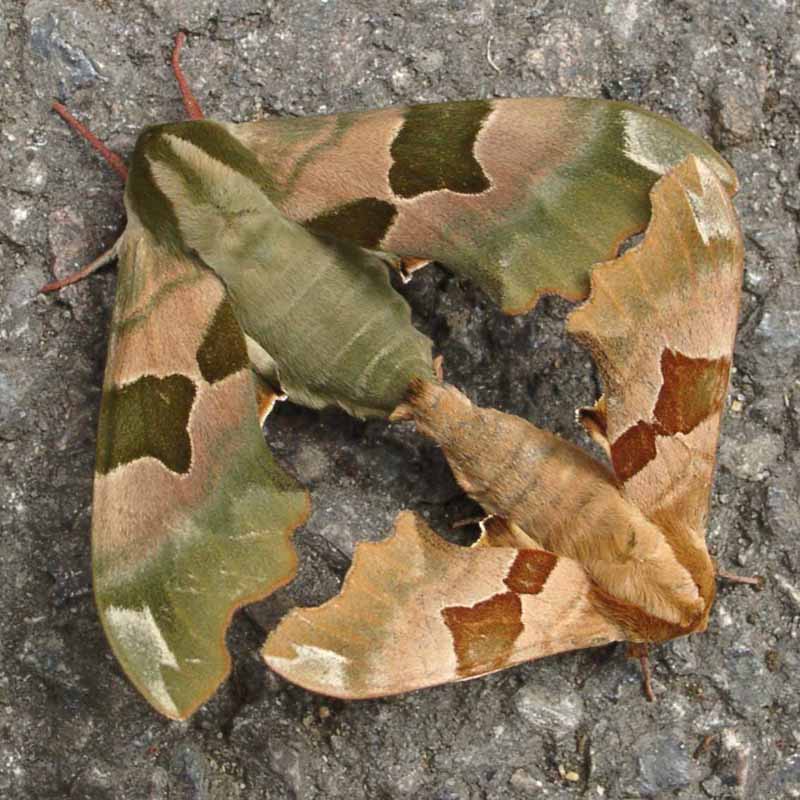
(727,718)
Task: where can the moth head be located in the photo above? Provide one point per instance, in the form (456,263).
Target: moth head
(192,172)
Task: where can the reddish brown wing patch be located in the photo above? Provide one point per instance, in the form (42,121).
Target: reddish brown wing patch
(692,390)
(633,450)
(484,634)
(530,570)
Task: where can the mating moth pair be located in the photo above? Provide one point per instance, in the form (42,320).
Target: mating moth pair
(255,262)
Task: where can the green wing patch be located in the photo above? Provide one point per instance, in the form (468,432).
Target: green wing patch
(148,417)
(435,149)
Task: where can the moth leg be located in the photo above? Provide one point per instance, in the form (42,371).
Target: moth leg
(118,165)
(193,110)
(750,580)
(466,521)
(640,650)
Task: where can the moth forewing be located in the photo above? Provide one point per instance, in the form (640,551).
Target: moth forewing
(522,196)
(192,516)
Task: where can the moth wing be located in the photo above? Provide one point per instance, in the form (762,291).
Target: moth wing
(416,611)
(661,322)
(522,196)
(192,515)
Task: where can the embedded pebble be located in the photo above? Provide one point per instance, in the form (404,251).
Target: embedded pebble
(551,711)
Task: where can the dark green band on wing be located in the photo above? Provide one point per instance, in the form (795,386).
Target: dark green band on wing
(435,149)
(151,205)
(222,351)
(363,221)
(148,417)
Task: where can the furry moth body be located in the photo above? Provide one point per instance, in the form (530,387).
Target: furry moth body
(261,248)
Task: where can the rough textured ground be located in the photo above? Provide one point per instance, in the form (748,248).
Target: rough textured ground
(727,721)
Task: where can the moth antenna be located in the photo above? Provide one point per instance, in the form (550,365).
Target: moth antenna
(74,277)
(111,158)
(193,110)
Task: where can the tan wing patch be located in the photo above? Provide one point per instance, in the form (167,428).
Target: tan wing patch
(519,138)
(154,299)
(133,529)
(319,172)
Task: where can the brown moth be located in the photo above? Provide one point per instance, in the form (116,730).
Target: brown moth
(578,553)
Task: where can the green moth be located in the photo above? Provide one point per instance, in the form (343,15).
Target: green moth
(254,264)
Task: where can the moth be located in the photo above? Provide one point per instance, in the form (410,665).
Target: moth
(575,554)
(253,266)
